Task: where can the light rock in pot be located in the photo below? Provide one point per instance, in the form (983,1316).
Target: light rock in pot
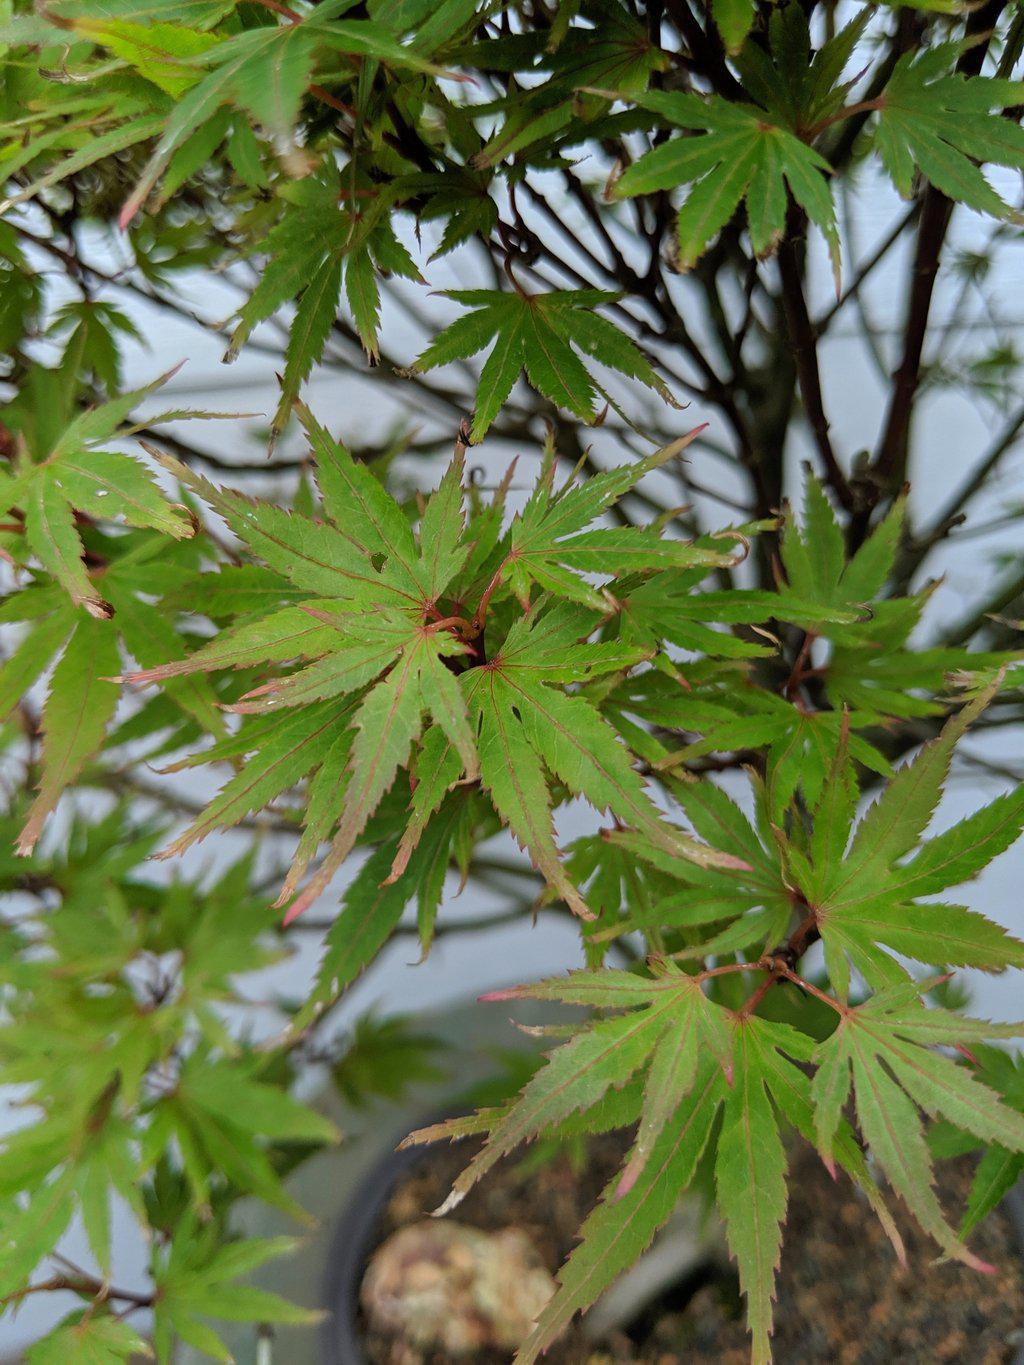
(441,1284)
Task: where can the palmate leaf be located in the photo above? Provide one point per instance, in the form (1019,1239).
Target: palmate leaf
(817,570)
(800,744)
(893,1075)
(90,1338)
(73,1161)
(943,124)
(538,333)
(699,1060)
(315,244)
(69,474)
(865,899)
(871,667)
(603,1055)
(743,153)
(82,696)
(77,710)
(614,52)
(802,85)
(225,1121)
(621,1227)
(196,1280)
(549,545)
(264,71)
(525,722)
(386,668)
(722,910)
(669,606)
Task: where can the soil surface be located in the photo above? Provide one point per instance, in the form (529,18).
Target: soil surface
(842,1297)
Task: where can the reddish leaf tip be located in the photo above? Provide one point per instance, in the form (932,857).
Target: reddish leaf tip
(630,1176)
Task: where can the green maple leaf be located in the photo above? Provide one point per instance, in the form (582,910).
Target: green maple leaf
(669,606)
(616,53)
(943,123)
(196,1279)
(741,154)
(64,472)
(816,567)
(388,668)
(92,329)
(866,898)
(621,1226)
(222,1118)
(460,196)
(87,652)
(549,545)
(90,1338)
(527,725)
(73,1159)
(311,249)
(884,1048)
(801,744)
(264,71)
(541,334)
(801,85)
(870,670)
(696,1059)
(379,678)
(670,1018)
(865,895)
(715,909)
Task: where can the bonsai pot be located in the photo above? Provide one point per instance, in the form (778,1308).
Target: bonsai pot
(685,1273)
(350,1191)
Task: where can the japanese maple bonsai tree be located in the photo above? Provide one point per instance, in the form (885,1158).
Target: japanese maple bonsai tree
(656,206)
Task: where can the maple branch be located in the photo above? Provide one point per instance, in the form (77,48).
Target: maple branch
(867,106)
(758,994)
(951,515)
(707,49)
(799,672)
(804,341)
(867,268)
(780,964)
(80,1282)
(480,615)
(889,468)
